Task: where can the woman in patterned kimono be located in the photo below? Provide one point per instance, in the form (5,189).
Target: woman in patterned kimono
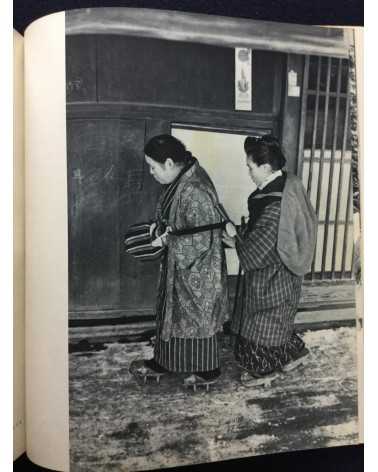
(280,216)
(192,300)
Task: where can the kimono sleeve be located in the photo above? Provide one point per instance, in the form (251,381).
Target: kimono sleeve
(258,249)
(196,208)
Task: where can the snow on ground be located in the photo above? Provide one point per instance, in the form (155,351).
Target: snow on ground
(117,424)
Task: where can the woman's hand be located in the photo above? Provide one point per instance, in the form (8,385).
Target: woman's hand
(158,242)
(230,229)
(152,229)
(228,236)
(162,239)
(228,240)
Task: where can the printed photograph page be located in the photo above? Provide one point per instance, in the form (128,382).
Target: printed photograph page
(239,363)
(18,249)
(46,244)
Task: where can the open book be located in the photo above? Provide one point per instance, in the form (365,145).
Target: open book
(99,83)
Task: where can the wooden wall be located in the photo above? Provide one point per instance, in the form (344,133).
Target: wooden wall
(120,91)
(116,69)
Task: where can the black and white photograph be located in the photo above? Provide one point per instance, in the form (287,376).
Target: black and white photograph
(213,238)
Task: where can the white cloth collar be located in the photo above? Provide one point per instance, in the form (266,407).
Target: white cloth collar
(269,179)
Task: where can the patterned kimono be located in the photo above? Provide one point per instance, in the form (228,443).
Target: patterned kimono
(193,298)
(264,324)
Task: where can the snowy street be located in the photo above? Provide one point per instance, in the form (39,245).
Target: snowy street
(116,424)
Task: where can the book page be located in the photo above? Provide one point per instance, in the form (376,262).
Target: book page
(359,225)
(87,181)
(19,250)
(46,244)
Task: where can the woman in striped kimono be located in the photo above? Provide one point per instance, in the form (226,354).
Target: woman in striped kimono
(192,300)
(265,341)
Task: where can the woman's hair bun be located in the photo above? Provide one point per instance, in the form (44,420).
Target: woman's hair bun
(250,143)
(164,146)
(270,140)
(265,149)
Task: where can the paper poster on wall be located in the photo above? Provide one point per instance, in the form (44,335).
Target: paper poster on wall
(243,79)
(293,90)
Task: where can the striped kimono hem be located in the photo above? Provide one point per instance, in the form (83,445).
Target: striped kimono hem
(188,354)
(263,360)
(182,354)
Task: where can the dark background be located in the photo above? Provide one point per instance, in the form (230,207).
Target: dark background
(335,459)
(316,12)
(320,12)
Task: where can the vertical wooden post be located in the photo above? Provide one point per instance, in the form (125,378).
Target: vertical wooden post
(291,114)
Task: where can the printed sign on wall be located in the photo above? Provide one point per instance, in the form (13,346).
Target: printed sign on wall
(292,84)
(243,79)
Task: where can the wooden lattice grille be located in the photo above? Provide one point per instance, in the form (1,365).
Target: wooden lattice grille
(325,163)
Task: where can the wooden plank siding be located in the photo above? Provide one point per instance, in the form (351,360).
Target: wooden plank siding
(322,304)
(123,89)
(113,107)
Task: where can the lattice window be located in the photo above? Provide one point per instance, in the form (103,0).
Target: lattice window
(325,163)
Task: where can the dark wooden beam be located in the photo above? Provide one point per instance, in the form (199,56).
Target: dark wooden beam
(205,118)
(218,30)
